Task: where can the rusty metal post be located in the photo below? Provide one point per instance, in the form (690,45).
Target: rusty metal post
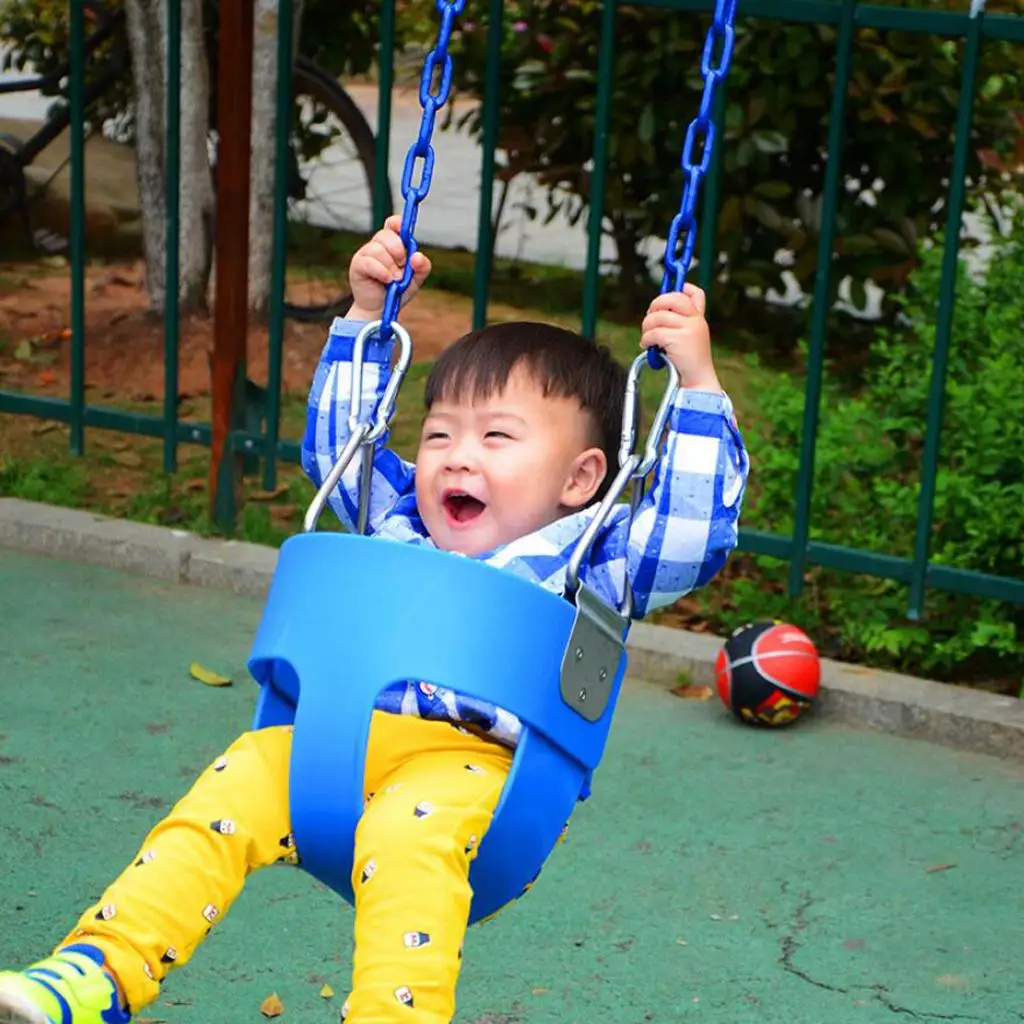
(230,322)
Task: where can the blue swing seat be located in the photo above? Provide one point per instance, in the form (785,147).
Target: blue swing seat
(348,615)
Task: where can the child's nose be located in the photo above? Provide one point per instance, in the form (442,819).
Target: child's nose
(461,456)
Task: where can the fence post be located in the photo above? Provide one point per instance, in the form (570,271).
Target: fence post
(76,231)
(230,323)
(172,174)
(820,308)
(947,306)
(707,261)
(285,33)
(595,213)
(484,228)
(385,81)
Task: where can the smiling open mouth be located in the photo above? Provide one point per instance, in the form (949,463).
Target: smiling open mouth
(462,508)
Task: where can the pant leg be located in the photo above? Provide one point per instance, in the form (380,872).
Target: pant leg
(414,845)
(193,864)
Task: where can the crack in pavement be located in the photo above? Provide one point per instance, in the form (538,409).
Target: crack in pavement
(790,945)
(881,996)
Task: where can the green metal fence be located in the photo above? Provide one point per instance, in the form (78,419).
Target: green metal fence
(972,26)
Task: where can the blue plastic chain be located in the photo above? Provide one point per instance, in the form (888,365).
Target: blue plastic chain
(721,36)
(415,192)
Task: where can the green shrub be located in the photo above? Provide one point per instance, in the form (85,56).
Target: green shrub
(867,482)
(901,108)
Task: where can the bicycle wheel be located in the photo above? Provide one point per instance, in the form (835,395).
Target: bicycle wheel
(330,193)
(12,176)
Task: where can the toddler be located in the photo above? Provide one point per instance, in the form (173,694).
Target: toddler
(519,443)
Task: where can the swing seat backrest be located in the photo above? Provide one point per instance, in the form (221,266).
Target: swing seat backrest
(345,617)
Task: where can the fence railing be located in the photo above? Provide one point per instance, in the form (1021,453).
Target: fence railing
(973,26)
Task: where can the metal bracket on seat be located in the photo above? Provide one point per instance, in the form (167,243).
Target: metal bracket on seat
(591,659)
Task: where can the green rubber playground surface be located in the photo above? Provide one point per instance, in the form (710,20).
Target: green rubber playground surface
(718,874)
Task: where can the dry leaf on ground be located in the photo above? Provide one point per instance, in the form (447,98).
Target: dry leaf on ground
(272,1006)
(268,495)
(128,459)
(693,692)
(205,675)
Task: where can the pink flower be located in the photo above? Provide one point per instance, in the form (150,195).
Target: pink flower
(520,26)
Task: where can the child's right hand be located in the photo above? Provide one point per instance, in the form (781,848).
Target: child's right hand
(375,265)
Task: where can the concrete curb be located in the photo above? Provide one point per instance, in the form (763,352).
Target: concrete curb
(954,716)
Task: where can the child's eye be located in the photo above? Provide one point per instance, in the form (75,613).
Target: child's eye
(435,435)
(499,434)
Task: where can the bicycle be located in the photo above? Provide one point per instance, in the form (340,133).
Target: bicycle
(326,123)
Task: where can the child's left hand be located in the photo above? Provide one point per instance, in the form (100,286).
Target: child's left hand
(675,323)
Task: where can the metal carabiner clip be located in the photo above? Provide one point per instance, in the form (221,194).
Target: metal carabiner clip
(632,469)
(363,433)
(386,405)
(629,418)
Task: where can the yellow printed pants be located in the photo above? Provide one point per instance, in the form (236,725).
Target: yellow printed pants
(410,873)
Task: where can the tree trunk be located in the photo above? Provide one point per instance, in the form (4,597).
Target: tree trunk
(264,127)
(147,35)
(261,181)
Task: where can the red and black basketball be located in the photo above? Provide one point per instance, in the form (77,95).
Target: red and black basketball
(768,673)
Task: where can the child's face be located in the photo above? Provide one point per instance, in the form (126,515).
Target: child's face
(502,467)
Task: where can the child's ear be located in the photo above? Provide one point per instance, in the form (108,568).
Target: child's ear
(586,475)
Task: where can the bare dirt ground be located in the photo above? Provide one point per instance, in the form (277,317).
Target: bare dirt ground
(124,343)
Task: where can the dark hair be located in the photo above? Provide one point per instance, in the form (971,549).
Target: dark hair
(562,362)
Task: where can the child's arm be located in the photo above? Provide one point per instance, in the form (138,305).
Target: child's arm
(327,431)
(373,267)
(687,524)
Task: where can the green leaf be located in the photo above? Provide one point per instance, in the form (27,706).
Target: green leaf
(853,245)
(756,108)
(858,294)
(766,214)
(645,127)
(773,189)
(888,239)
(771,142)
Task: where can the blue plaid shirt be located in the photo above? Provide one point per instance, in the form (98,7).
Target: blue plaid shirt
(679,539)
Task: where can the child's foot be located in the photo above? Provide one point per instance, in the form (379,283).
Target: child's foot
(69,988)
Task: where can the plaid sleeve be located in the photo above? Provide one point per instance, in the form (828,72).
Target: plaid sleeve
(330,400)
(688,522)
